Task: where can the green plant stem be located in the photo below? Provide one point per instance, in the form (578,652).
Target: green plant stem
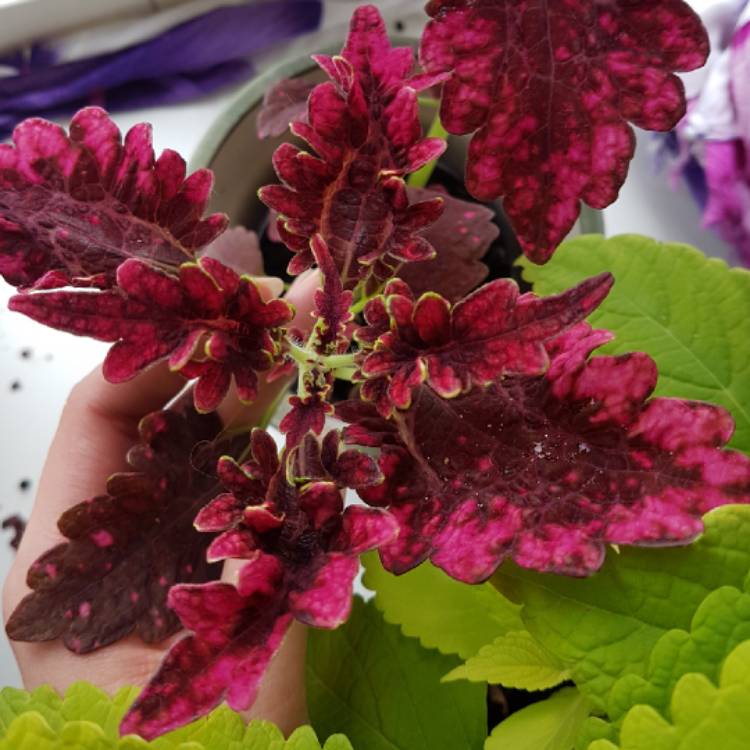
(305,357)
(345,373)
(421,177)
(428,101)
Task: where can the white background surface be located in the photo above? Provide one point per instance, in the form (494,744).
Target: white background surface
(648,205)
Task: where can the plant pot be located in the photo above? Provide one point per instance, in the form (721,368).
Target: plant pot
(241,161)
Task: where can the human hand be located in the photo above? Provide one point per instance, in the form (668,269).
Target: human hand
(98,425)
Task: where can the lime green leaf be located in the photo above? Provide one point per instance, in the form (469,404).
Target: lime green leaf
(606,626)
(514,660)
(337,742)
(305,738)
(384,691)
(43,700)
(720,624)
(84,701)
(454,617)
(703,716)
(596,728)
(86,718)
(30,731)
(223,728)
(551,724)
(690,313)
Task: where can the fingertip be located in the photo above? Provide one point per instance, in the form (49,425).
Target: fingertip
(301,294)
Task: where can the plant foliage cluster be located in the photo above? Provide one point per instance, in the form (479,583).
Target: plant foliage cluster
(534,548)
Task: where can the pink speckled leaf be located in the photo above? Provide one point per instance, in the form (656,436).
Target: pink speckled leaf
(74,207)
(302,565)
(548,469)
(461,237)
(153,315)
(236,632)
(488,334)
(126,548)
(548,89)
(365,133)
(284,103)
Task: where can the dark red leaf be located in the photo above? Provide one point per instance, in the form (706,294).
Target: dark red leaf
(308,414)
(490,333)
(350,468)
(302,547)
(364,129)
(126,548)
(548,89)
(549,469)
(461,236)
(153,315)
(284,103)
(73,207)
(332,304)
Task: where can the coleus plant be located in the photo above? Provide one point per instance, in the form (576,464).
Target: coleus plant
(554,453)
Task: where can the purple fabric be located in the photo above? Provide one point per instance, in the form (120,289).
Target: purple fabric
(191,59)
(37,56)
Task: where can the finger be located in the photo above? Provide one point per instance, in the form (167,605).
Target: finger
(98,425)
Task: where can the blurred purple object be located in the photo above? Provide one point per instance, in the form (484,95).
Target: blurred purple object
(711,146)
(189,60)
(728,182)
